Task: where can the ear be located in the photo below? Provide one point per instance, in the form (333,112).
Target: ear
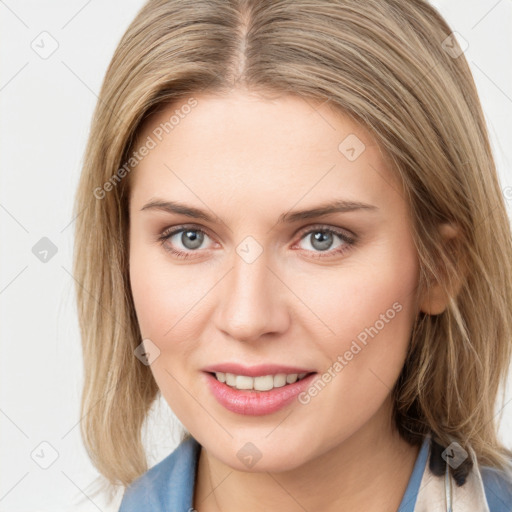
(434,300)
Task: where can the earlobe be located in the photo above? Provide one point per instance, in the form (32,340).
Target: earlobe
(435,300)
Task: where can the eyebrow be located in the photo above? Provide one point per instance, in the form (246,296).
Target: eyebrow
(336,206)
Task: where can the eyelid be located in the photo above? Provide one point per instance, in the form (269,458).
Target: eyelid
(182,227)
(343,232)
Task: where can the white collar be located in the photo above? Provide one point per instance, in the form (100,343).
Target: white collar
(442,494)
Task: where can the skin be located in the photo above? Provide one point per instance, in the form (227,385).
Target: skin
(246,159)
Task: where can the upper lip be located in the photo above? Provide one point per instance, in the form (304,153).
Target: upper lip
(255,371)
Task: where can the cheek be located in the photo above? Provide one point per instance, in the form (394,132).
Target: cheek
(164,299)
(170,302)
(366,321)
(365,313)
(164,294)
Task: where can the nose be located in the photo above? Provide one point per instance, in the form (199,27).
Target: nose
(252,300)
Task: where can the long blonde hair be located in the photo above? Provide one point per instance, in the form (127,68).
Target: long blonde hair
(393,66)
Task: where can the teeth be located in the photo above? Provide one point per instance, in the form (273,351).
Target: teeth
(263,383)
(291,378)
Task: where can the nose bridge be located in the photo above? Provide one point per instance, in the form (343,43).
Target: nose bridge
(250,302)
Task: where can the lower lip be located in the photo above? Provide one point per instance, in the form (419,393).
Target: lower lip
(256,403)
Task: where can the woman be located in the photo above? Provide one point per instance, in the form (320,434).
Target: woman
(290,216)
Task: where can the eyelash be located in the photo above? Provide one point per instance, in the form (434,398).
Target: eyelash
(170,232)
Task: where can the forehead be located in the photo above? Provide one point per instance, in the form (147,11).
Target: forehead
(246,145)
(273,120)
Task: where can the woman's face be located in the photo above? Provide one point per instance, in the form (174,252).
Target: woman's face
(254,283)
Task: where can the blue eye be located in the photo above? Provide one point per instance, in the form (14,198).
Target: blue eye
(322,239)
(192,238)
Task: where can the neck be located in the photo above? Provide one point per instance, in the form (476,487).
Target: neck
(368,471)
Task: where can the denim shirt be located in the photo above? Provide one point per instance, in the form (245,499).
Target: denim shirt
(169,485)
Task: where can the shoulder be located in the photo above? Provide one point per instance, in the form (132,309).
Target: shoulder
(498,489)
(169,485)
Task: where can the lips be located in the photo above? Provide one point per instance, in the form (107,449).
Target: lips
(256,403)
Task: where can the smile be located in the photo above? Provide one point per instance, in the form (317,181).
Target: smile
(262,383)
(251,400)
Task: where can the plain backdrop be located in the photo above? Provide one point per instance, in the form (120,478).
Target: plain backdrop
(46,104)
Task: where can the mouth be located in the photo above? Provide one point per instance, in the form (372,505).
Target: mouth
(256,396)
(257,402)
(260,383)
(257,389)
